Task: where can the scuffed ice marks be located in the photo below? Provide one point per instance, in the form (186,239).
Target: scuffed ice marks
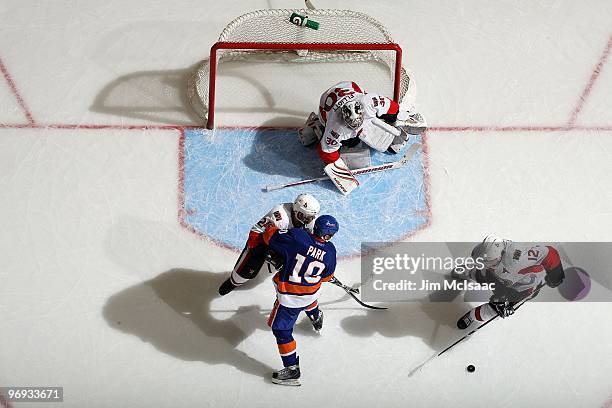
(226,169)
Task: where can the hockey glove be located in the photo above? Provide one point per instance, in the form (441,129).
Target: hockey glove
(275,261)
(555,276)
(503,308)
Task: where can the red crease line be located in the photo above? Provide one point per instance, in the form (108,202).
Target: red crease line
(13,87)
(589,86)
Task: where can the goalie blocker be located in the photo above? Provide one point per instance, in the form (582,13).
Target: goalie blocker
(342,177)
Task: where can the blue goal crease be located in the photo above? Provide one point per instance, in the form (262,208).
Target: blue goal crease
(225,171)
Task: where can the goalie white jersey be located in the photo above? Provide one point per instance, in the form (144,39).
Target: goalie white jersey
(330,115)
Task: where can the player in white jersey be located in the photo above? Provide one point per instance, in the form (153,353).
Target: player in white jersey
(517,272)
(301,213)
(348,115)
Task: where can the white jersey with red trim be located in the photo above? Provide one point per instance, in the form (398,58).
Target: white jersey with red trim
(330,115)
(279,216)
(524,267)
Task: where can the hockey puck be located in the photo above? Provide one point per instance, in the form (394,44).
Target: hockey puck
(471,368)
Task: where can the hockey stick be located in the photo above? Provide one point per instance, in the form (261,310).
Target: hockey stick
(364,170)
(352,292)
(518,305)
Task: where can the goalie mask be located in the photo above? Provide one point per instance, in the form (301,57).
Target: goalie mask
(352,113)
(305,209)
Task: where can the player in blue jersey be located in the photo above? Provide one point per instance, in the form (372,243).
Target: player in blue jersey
(308,260)
(301,213)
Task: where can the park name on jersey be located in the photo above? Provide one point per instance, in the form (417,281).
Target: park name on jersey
(316,253)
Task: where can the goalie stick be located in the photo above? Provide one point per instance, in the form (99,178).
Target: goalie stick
(353,292)
(364,170)
(518,305)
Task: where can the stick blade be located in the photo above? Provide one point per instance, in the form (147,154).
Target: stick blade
(418,368)
(410,153)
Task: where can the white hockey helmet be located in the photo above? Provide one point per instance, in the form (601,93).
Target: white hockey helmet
(352,113)
(490,250)
(306,208)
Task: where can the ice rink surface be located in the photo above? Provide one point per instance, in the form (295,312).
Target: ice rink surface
(108,289)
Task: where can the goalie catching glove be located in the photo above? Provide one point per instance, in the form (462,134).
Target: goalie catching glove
(413,122)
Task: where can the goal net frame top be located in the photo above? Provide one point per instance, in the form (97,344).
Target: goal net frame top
(343,35)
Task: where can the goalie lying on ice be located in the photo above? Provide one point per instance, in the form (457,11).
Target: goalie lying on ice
(348,115)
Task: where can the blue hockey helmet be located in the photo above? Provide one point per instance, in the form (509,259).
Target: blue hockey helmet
(325,225)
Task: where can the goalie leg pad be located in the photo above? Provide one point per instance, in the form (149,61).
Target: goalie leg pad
(413,122)
(379,135)
(339,173)
(310,133)
(399,142)
(357,157)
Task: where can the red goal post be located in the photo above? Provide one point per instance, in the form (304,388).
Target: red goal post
(344,35)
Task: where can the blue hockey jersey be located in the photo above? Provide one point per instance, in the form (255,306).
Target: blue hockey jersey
(307,261)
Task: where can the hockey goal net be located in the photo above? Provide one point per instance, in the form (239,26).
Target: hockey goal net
(343,36)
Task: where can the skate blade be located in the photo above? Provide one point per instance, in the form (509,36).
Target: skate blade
(295,383)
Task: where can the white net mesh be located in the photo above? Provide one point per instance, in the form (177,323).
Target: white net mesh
(274,26)
(336,26)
